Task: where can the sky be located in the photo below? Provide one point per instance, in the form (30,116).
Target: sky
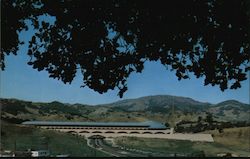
(21,81)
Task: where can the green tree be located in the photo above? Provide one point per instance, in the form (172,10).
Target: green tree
(220,129)
(167,124)
(199,119)
(208,38)
(209,118)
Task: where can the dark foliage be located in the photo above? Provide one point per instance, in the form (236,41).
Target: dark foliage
(59,108)
(167,124)
(13,120)
(197,154)
(209,118)
(196,127)
(3,134)
(14,107)
(209,38)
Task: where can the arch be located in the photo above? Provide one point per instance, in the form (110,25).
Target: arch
(96,132)
(109,132)
(159,132)
(122,132)
(96,137)
(134,132)
(147,132)
(72,132)
(84,132)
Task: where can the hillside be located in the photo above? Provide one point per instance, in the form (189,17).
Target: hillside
(232,140)
(18,109)
(159,103)
(21,138)
(231,109)
(157,108)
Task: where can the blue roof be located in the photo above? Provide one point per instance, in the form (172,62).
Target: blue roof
(148,124)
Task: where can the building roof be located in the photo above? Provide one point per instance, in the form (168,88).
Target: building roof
(147,124)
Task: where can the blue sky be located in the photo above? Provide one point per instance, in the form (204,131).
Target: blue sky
(20,81)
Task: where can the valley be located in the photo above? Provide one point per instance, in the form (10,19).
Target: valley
(228,122)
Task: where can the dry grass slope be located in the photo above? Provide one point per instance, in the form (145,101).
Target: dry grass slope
(233,140)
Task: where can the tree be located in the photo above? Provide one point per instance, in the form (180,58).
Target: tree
(199,119)
(209,119)
(198,154)
(220,129)
(167,124)
(199,126)
(108,40)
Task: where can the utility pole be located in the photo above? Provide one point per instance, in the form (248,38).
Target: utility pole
(15,146)
(172,116)
(47,143)
(95,145)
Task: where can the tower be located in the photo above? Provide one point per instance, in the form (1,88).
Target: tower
(172,117)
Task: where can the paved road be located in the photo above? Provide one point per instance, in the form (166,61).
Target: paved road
(100,144)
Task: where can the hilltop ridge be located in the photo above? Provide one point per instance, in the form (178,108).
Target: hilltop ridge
(157,108)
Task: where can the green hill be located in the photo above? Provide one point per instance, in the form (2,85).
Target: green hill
(145,108)
(21,138)
(159,102)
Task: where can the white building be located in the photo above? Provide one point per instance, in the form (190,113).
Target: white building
(40,153)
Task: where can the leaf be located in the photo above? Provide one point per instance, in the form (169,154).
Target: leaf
(30,63)
(169,40)
(185,76)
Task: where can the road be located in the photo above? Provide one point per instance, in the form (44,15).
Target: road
(101,145)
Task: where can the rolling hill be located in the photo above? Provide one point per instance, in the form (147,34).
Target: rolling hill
(145,108)
(156,103)
(231,109)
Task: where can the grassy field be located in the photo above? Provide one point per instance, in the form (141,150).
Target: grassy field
(234,140)
(34,138)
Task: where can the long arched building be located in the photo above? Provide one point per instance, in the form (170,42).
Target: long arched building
(87,128)
(148,129)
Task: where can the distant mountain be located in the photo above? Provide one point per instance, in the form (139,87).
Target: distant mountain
(159,103)
(232,104)
(24,110)
(231,109)
(145,108)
